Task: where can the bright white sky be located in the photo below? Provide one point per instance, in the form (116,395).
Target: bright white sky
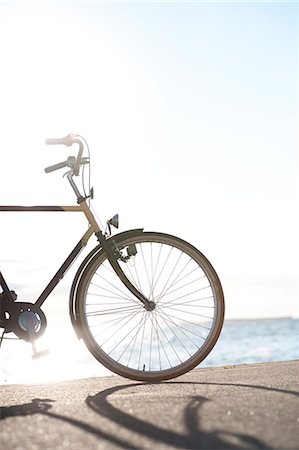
(190,110)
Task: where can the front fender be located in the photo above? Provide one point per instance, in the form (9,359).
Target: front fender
(74,288)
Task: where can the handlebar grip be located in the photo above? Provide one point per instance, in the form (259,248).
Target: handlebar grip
(67,140)
(56,167)
(53,141)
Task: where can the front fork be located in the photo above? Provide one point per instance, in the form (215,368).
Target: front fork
(113,254)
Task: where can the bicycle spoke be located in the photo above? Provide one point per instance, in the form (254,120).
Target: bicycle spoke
(191,323)
(118,322)
(176,281)
(178,289)
(103,323)
(111,311)
(169,342)
(155,271)
(141,323)
(164,265)
(120,341)
(181,327)
(191,293)
(101,303)
(158,340)
(137,283)
(187,302)
(141,345)
(125,295)
(178,339)
(169,277)
(192,313)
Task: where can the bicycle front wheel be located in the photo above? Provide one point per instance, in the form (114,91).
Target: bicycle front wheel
(173,337)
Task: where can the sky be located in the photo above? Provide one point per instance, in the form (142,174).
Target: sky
(190,110)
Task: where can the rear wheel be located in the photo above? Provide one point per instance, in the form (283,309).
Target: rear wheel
(166,340)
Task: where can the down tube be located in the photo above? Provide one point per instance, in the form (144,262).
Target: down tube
(65,266)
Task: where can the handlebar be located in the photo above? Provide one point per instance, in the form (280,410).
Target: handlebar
(72,162)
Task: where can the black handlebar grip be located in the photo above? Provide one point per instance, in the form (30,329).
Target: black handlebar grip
(67,140)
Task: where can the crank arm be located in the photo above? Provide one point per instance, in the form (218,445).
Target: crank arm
(28,322)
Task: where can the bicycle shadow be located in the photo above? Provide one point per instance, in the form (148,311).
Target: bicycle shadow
(195,438)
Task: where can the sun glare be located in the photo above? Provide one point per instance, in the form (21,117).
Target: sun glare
(63,74)
(67,358)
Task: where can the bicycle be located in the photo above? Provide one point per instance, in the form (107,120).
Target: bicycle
(149,306)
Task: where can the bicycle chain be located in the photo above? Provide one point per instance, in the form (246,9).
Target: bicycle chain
(11,338)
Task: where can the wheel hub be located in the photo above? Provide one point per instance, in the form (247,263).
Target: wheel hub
(150,306)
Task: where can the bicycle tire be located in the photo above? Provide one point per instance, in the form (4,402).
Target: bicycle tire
(151,345)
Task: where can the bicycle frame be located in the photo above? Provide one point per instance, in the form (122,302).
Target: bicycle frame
(25,318)
(93,228)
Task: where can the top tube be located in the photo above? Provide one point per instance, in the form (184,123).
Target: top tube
(41,208)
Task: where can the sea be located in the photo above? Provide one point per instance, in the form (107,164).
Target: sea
(243,341)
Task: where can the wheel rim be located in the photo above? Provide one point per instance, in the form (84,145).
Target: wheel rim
(172,337)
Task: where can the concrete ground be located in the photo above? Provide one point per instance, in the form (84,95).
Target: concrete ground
(249,406)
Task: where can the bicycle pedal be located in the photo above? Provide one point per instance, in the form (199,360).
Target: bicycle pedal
(37,355)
